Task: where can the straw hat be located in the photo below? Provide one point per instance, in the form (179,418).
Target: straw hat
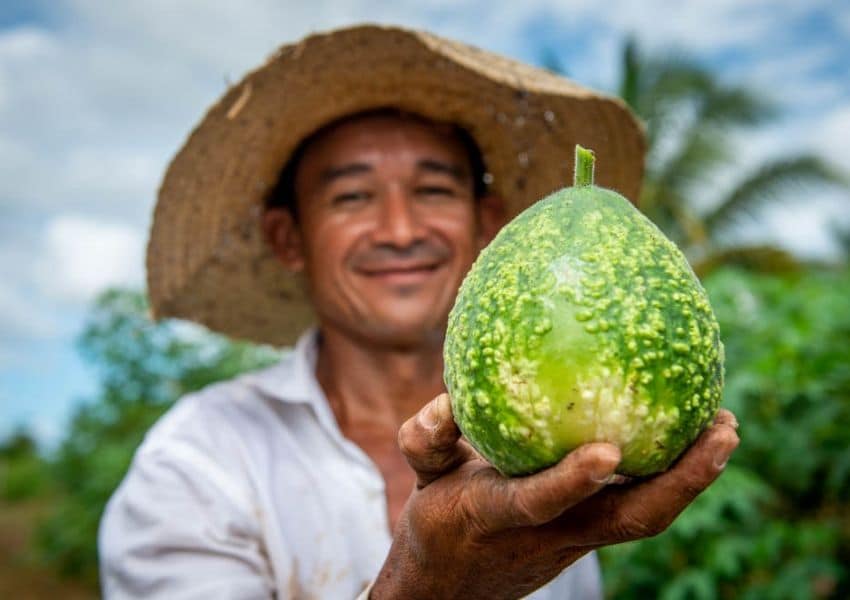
(207,260)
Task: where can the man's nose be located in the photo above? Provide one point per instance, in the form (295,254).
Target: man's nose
(398,223)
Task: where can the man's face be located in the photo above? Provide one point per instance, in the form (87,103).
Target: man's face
(388,226)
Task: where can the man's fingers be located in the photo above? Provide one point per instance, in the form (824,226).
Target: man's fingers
(701,464)
(648,507)
(430,441)
(499,503)
(725,417)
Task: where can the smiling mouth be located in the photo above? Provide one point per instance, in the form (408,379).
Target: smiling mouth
(402,274)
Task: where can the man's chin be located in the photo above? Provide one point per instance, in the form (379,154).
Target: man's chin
(405,335)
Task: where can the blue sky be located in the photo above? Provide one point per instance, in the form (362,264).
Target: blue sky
(95,97)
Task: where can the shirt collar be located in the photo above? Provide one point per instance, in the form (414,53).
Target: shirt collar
(293,379)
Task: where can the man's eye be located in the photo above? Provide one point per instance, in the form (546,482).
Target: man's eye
(434,190)
(351,197)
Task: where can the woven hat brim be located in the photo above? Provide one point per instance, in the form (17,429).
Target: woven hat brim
(207,260)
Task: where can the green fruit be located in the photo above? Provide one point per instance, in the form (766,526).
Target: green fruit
(582,322)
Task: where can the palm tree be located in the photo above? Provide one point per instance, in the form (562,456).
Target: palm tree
(689,117)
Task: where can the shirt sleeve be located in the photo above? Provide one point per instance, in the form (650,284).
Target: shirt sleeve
(179,527)
(586,579)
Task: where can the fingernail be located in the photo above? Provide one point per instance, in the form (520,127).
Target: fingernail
(429,417)
(721,458)
(610,479)
(604,473)
(604,477)
(444,407)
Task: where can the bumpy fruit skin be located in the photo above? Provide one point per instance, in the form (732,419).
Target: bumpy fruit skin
(582,322)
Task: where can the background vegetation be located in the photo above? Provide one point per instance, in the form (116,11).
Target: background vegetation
(776,525)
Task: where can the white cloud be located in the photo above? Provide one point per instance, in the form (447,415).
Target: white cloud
(789,77)
(775,69)
(694,25)
(26,43)
(83,256)
(116,178)
(20,317)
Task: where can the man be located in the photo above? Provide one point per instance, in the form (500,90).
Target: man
(340,471)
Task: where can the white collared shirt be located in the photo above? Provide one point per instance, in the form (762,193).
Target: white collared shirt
(248,489)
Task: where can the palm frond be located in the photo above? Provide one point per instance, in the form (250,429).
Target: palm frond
(689,114)
(692,227)
(658,210)
(676,77)
(761,258)
(674,83)
(701,151)
(673,216)
(772,182)
(630,77)
(663,89)
(734,106)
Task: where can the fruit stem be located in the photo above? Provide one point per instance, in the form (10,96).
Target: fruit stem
(585,159)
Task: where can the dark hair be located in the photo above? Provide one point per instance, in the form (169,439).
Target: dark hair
(282,194)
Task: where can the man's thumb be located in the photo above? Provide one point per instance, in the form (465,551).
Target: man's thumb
(430,441)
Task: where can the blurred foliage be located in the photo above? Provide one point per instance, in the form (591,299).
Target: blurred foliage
(842,234)
(23,472)
(777,523)
(691,119)
(144,367)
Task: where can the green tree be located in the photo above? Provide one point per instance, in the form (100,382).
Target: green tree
(23,472)
(143,367)
(690,117)
(19,444)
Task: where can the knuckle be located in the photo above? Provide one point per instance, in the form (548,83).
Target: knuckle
(631,529)
(523,512)
(639,525)
(658,524)
(476,503)
(445,461)
(472,517)
(433,463)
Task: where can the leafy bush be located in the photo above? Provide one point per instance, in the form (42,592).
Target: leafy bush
(23,473)
(777,523)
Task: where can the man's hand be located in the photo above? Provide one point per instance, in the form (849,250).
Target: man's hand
(467,531)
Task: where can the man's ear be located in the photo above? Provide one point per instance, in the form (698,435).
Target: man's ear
(284,237)
(492,216)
